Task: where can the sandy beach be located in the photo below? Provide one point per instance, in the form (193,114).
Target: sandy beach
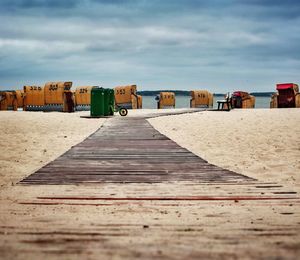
(263,144)
(260,143)
(31,140)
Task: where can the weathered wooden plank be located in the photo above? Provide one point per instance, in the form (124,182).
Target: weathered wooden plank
(129,151)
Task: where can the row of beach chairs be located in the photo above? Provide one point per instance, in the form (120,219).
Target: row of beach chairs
(58,96)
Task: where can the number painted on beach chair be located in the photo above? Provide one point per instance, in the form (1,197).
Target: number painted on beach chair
(54,92)
(166,100)
(201,98)
(83,96)
(126,96)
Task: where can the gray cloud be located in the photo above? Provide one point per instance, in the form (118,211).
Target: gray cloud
(34,4)
(180,44)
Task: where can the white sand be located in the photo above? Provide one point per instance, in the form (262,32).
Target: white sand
(260,143)
(30,140)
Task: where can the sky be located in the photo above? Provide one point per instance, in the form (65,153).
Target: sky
(156,44)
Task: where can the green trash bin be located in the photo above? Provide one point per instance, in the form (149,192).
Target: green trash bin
(102,102)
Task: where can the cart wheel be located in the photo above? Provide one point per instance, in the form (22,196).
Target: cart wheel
(123,111)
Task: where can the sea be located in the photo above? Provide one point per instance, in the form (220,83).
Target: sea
(184,101)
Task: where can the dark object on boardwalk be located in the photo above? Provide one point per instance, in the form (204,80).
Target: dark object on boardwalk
(122,111)
(102,102)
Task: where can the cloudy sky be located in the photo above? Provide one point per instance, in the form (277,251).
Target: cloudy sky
(156,44)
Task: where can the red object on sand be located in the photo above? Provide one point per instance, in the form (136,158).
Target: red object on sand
(286,94)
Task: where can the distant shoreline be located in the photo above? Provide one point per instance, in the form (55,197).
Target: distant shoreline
(187,93)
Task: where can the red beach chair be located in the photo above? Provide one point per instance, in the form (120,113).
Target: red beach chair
(286,94)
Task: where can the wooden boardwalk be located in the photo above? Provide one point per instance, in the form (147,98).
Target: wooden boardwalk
(130,150)
(132,193)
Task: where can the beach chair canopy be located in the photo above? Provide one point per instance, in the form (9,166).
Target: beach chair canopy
(242,94)
(286,94)
(54,92)
(123,94)
(285,86)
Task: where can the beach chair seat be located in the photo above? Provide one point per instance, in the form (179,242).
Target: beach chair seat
(224,104)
